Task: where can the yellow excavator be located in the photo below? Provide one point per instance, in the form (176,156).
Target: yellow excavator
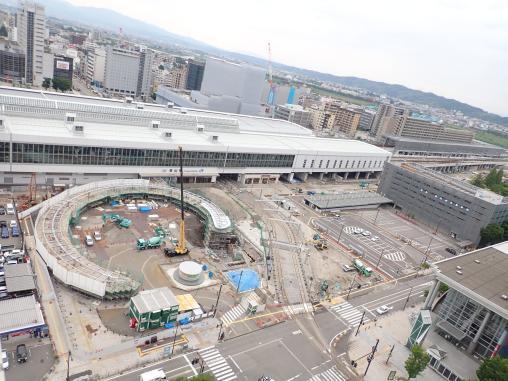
(180,248)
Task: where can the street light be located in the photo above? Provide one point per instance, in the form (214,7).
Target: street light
(350,287)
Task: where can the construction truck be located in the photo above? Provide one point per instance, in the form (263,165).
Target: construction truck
(180,248)
(361,268)
(152,243)
(321,244)
(117,219)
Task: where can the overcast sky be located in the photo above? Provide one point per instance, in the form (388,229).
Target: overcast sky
(458,49)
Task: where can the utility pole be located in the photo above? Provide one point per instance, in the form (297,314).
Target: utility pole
(390,354)
(68,363)
(174,340)
(239,281)
(371,357)
(377,214)
(360,324)
(220,331)
(350,287)
(379,260)
(407,300)
(217,302)
(340,234)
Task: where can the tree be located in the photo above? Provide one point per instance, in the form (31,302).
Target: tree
(490,234)
(493,369)
(46,83)
(62,84)
(443,287)
(417,361)
(478,180)
(492,178)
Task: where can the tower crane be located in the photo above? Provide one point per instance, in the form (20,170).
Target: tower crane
(271,92)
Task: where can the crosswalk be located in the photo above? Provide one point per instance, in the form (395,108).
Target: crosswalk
(217,364)
(297,309)
(332,374)
(233,314)
(349,229)
(349,313)
(396,256)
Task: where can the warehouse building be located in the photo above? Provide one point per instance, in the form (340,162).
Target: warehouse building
(67,139)
(447,204)
(20,316)
(432,148)
(153,308)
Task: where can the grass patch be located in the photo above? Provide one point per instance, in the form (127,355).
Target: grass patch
(489,137)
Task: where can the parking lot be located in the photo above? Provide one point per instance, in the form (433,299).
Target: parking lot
(40,360)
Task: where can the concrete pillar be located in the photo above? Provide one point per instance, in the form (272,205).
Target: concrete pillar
(431,295)
(357,175)
(214,179)
(367,176)
(290,176)
(334,176)
(321,175)
(472,344)
(302,176)
(346,175)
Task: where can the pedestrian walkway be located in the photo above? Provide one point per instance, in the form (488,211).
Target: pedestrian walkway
(297,309)
(397,256)
(349,313)
(233,314)
(217,364)
(332,374)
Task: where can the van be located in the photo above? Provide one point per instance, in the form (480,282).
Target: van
(9,208)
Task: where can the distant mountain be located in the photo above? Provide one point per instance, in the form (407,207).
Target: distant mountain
(111,20)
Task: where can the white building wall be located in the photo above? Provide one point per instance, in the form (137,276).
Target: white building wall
(121,71)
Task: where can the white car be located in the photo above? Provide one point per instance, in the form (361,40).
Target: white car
(13,223)
(358,231)
(375,238)
(88,240)
(383,309)
(5,360)
(97,235)
(366,233)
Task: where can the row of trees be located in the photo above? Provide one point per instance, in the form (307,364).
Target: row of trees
(57,83)
(492,369)
(493,181)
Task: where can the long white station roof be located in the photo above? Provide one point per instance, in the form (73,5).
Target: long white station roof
(35,116)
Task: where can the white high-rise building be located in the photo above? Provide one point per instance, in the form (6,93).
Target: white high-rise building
(31,29)
(128,72)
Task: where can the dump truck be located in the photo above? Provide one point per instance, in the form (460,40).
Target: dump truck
(361,268)
(152,243)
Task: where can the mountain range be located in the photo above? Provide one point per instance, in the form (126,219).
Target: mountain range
(111,20)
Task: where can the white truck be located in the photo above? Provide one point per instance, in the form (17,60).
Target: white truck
(153,375)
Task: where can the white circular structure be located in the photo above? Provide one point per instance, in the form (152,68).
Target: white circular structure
(190,272)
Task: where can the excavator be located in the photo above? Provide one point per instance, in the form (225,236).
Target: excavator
(180,248)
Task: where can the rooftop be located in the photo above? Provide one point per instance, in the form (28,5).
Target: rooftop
(19,277)
(19,314)
(482,273)
(154,300)
(436,142)
(347,200)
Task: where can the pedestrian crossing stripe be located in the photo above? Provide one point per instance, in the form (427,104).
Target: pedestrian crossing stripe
(332,374)
(233,314)
(217,364)
(349,313)
(396,256)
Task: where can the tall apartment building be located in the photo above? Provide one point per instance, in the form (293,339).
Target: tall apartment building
(366,119)
(31,25)
(12,63)
(195,71)
(95,66)
(177,77)
(293,113)
(322,120)
(452,206)
(128,72)
(388,118)
(347,121)
(424,129)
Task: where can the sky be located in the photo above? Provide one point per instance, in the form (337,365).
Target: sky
(457,49)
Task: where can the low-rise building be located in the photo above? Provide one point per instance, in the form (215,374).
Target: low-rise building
(153,308)
(294,114)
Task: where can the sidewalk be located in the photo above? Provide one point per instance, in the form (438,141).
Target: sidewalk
(391,329)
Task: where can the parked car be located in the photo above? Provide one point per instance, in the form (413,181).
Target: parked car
(3,223)
(4,295)
(5,360)
(366,233)
(5,232)
(383,309)
(88,240)
(451,251)
(375,238)
(15,231)
(21,353)
(2,210)
(9,208)
(97,235)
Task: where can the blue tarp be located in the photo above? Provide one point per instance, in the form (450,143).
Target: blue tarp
(248,279)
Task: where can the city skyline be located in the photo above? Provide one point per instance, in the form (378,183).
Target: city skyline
(457,51)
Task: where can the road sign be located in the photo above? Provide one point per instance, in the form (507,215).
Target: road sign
(392,374)
(167,351)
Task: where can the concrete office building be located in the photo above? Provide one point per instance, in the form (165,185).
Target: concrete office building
(231,87)
(95,66)
(70,139)
(31,29)
(452,206)
(388,118)
(294,114)
(424,129)
(12,63)
(473,314)
(432,148)
(366,119)
(177,77)
(128,72)
(195,71)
